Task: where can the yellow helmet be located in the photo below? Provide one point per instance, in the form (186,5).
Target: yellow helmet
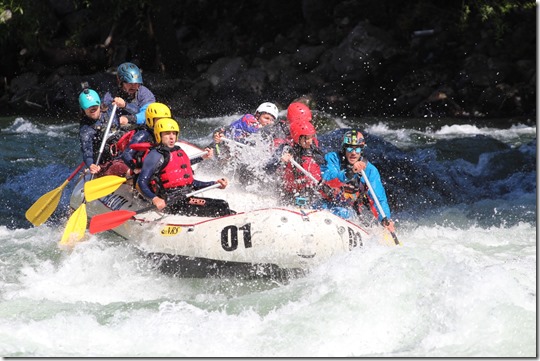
(156,110)
(165,125)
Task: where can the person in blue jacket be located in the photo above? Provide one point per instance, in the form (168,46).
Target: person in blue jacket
(343,172)
(166,177)
(131,97)
(92,127)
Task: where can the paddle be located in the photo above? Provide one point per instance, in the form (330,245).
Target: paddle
(76,224)
(106,221)
(45,206)
(100,187)
(300,168)
(381,211)
(241,145)
(396,241)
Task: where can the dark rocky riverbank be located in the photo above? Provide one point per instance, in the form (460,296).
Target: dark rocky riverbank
(354,58)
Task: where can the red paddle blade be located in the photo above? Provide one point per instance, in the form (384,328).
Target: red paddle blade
(106,221)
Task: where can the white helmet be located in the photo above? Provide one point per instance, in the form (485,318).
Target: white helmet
(269,108)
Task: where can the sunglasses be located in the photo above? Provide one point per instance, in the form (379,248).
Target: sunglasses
(354,149)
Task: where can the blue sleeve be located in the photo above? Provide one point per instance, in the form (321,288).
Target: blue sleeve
(140,136)
(378,189)
(86,136)
(148,169)
(138,107)
(197,184)
(234,134)
(332,168)
(238,130)
(107,99)
(141,115)
(127,157)
(234,131)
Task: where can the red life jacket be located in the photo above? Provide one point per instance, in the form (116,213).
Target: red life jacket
(352,196)
(141,147)
(295,181)
(141,151)
(124,140)
(177,170)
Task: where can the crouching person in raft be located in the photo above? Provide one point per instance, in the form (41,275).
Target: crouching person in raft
(166,177)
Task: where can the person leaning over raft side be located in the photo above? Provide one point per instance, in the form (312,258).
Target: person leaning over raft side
(345,168)
(265,115)
(131,97)
(92,127)
(166,176)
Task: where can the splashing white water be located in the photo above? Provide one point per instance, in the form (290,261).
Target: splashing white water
(454,289)
(446,292)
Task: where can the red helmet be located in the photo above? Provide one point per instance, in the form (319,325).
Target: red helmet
(301,128)
(298,112)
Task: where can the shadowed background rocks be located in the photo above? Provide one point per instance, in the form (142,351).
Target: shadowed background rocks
(205,58)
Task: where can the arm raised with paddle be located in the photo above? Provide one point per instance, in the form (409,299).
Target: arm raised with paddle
(389,225)
(76,225)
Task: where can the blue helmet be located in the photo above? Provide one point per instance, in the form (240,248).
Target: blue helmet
(129,73)
(89,98)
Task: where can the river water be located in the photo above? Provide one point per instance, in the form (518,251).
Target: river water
(463,284)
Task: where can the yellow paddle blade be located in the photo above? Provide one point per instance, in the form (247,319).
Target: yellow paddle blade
(101,187)
(45,206)
(386,238)
(76,226)
(390,238)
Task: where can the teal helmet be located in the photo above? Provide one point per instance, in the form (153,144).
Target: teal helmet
(89,98)
(129,73)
